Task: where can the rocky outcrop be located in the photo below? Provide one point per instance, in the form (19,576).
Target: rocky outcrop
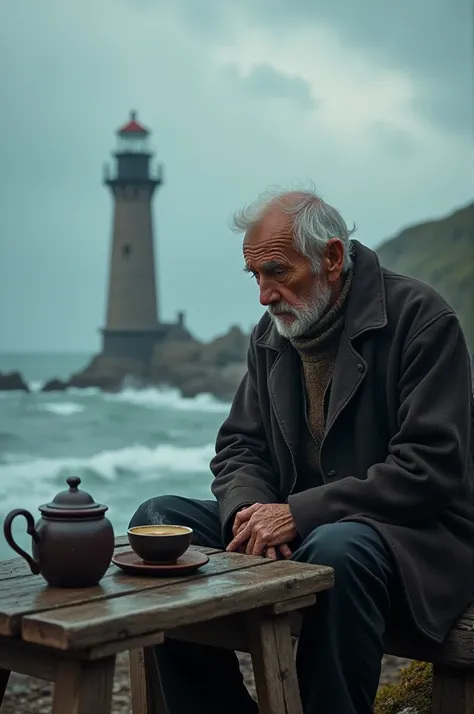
(13,382)
(194,367)
(221,383)
(179,361)
(109,373)
(410,695)
(228,349)
(54,385)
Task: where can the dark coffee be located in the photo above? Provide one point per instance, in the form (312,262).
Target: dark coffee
(160,544)
(159,530)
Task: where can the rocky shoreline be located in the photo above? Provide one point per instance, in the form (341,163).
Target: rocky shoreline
(179,362)
(26,695)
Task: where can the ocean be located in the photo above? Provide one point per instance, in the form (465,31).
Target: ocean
(125,447)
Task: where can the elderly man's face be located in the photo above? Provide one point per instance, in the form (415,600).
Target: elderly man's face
(294,296)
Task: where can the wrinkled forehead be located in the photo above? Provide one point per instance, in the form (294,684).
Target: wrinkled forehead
(271,239)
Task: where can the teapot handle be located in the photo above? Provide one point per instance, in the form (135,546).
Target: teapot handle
(31,530)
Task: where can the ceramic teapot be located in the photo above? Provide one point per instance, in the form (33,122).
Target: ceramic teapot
(73,541)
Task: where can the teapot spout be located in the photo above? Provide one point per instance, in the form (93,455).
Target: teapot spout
(31,530)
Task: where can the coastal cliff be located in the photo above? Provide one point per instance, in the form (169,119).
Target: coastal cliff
(440,253)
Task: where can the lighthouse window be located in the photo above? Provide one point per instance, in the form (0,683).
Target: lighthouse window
(126,250)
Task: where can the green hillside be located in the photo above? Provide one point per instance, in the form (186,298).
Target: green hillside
(440,253)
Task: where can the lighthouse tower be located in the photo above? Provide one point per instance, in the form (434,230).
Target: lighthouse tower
(132,322)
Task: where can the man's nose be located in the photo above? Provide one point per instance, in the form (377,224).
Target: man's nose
(269,295)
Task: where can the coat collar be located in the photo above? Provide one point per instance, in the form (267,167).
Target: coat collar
(366,307)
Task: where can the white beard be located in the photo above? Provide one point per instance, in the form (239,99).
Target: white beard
(305,316)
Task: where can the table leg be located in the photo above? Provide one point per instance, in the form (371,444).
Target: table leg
(4,677)
(83,687)
(274,667)
(147,697)
(453,690)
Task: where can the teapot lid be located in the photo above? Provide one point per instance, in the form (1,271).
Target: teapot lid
(73,502)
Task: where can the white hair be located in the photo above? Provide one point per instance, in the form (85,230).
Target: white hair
(314,222)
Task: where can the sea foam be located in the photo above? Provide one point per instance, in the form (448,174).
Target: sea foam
(153,398)
(137,459)
(63,408)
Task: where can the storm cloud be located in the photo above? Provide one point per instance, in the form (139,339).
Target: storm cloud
(374,104)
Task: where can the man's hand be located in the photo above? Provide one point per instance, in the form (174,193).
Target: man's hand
(263,527)
(282,550)
(242,516)
(241,519)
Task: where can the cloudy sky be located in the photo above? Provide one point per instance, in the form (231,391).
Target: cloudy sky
(370,99)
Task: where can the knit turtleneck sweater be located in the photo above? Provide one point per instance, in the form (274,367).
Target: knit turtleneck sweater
(317,350)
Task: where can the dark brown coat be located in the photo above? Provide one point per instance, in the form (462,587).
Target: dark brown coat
(396,453)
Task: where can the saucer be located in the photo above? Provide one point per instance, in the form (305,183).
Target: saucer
(131,564)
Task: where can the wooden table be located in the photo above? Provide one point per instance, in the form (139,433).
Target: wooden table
(71,637)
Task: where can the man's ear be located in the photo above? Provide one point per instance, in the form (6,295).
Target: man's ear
(334,259)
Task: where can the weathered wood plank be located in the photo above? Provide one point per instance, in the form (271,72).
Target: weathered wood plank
(266,666)
(139,688)
(114,647)
(15,568)
(121,541)
(84,687)
(286,659)
(37,661)
(229,632)
(145,687)
(273,664)
(297,603)
(9,585)
(28,659)
(18,568)
(226,632)
(35,596)
(453,691)
(163,608)
(457,650)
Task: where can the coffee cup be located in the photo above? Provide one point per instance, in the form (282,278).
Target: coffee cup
(162,544)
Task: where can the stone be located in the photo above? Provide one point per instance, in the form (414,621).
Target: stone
(13,382)
(54,385)
(179,361)
(221,383)
(227,349)
(108,373)
(194,367)
(412,691)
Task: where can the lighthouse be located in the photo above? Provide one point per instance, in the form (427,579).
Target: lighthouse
(134,332)
(132,325)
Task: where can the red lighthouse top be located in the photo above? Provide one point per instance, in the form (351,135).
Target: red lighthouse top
(133,127)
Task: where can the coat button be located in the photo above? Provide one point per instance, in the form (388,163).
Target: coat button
(332,473)
(360,367)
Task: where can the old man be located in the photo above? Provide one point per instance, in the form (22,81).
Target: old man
(347,444)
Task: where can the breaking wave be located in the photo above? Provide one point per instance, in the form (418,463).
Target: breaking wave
(137,459)
(170,399)
(63,408)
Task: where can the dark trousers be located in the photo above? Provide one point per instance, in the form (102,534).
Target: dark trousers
(341,646)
